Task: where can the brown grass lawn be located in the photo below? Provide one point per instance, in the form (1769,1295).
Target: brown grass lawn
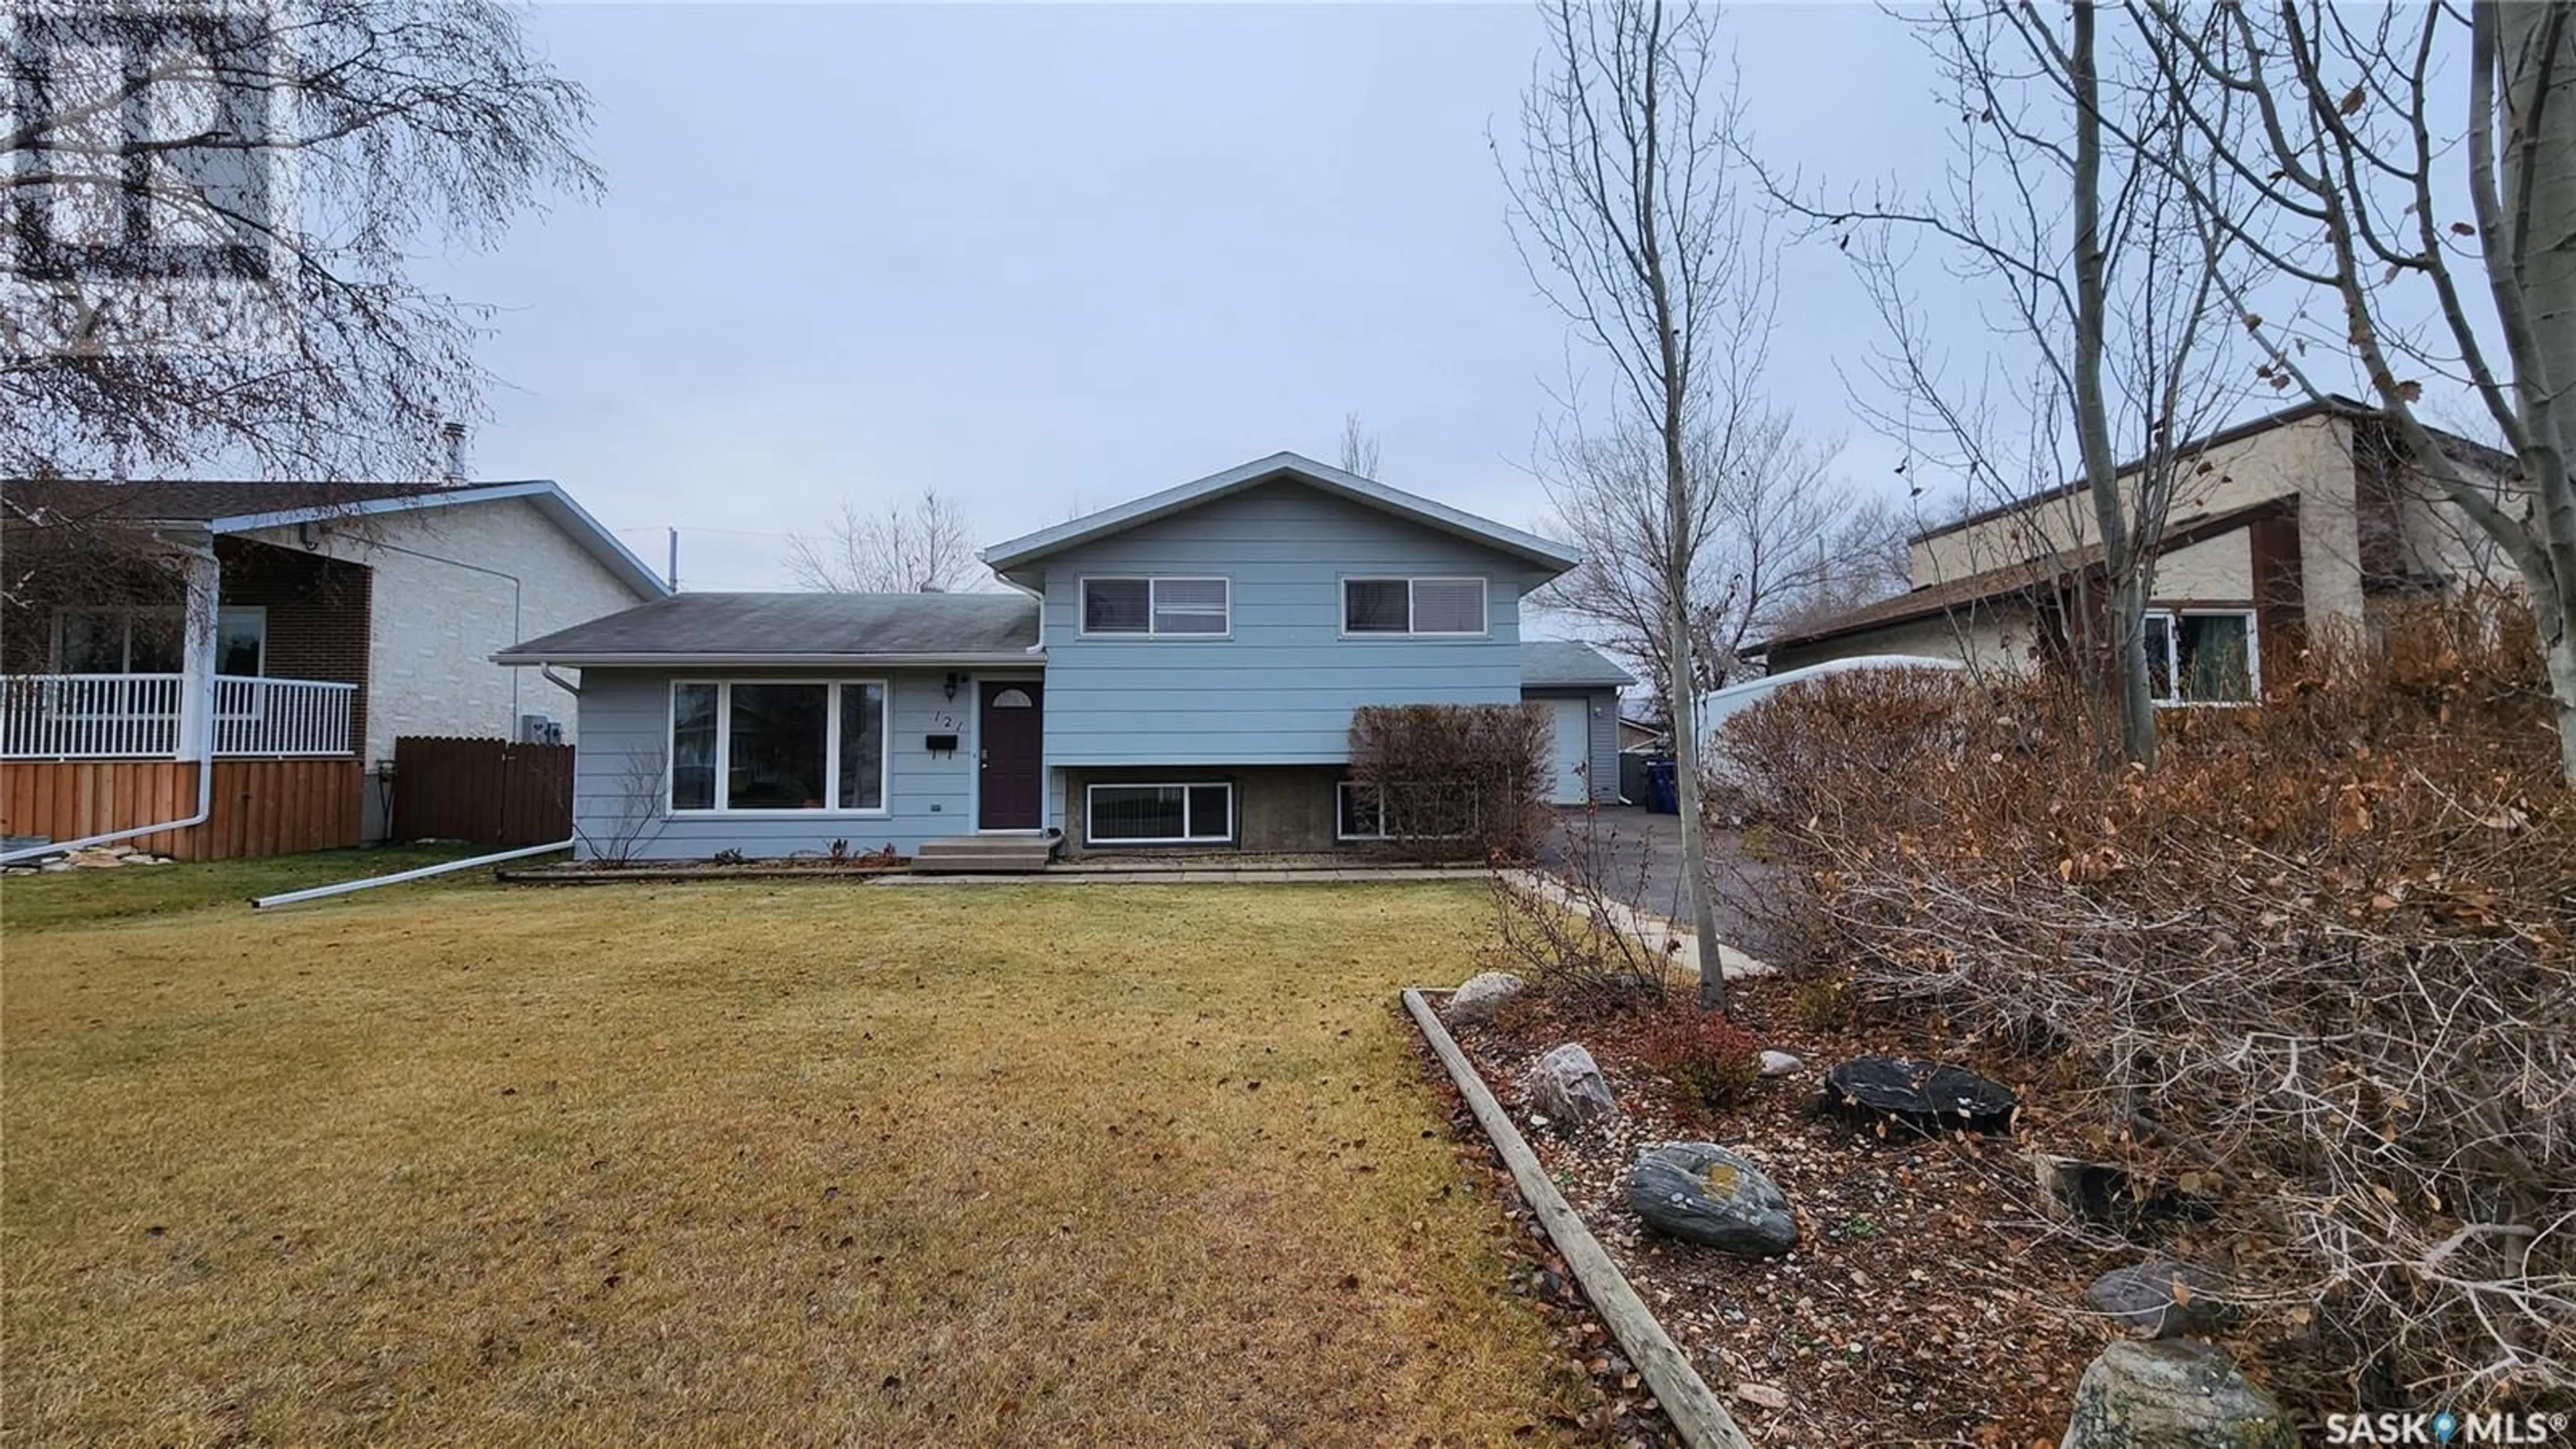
(748,1163)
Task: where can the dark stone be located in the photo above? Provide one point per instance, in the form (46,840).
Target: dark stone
(1921,1094)
(2141,1297)
(1702,1193)
(2172,1393)
(2104,1193)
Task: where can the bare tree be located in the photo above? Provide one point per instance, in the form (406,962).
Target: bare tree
(1775,535)
(1359,447)
(2089,255)
(211,209)
(896,550)
(2356,156)
(1626,204)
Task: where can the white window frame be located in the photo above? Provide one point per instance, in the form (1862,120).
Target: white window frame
(232,612)
(2173,617)
(1484,606)
(1090,835)
(834,690)
(1152,583)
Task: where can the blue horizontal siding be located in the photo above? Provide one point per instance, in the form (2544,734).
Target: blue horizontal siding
(625,723)
(1281,687)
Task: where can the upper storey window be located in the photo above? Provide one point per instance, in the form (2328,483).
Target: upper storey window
(1429,606)
(1158,607)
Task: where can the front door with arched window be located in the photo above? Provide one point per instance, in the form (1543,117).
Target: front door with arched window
(1010,738)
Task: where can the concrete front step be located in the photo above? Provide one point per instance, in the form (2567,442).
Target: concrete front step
(985,854)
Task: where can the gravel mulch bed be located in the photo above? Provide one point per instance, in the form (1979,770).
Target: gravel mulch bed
(1928,1301)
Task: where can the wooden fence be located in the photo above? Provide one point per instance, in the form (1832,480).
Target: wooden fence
(490,792)
(260,807)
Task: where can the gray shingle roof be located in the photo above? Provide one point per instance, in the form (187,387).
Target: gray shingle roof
(784,627)
(82,500)
(1564,664)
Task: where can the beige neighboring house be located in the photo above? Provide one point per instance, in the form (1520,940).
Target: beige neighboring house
(2303,516)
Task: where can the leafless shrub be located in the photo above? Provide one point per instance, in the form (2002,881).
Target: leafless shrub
(1574,933)
(2318,965)
(1454,781)
(634,816)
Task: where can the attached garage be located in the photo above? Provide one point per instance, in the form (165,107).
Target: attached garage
(1581,691)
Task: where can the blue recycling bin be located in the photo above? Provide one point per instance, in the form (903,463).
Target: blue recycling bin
(1662,795)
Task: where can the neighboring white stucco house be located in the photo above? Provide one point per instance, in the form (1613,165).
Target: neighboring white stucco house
(485,567)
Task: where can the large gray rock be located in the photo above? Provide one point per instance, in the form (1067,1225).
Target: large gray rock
(1781,1064)
(1480,996)
(1566,1088)
(1702,1193)
(2172,1393)
(2159,1298)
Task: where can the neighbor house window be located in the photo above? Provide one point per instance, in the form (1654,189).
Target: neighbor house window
(1157,607)
(154,641)
(2197,656)
(1413,606)
(1159,814)
(778,745)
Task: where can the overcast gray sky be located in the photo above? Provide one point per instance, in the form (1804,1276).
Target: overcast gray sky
(1047,258)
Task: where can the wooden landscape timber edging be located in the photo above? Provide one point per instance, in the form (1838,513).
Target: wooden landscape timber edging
(1687,1401)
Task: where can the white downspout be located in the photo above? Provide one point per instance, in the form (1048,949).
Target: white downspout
(315,893)
(196,712)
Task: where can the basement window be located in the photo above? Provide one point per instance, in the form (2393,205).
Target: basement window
(1178,814)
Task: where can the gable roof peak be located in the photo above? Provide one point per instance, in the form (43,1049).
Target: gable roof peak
(1295,467)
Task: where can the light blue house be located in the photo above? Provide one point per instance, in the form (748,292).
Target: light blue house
(1178,671)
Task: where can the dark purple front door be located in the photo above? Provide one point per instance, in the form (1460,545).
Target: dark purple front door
(1010,730)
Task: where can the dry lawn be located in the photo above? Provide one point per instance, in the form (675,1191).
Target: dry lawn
(749,1163)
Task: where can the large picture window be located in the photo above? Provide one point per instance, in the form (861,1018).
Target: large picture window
(1413,606)
(770,745)
(1158,607)
(1181,814)
(2202,656)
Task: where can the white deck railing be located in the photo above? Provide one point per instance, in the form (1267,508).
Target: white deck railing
(136,716)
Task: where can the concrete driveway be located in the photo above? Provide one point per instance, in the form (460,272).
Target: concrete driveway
(1637,855)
